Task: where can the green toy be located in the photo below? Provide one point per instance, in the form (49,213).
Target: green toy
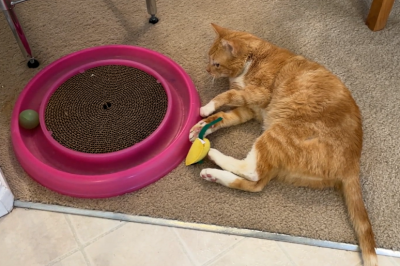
(29,119)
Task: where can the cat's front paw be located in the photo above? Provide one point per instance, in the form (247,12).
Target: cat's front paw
(195,131)
(207,109)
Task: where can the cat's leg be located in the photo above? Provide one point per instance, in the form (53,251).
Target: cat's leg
(246,168)
(250,95)
(231,180)
(238,174)
(219,176)
(251,174)
(231,118)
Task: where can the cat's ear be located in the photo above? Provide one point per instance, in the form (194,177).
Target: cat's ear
(230,47)
(219,30)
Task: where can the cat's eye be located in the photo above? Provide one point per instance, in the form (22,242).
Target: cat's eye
(216,64)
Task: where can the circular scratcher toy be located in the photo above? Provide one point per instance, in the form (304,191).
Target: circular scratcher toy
(201,146)
(106,109)
(112,119)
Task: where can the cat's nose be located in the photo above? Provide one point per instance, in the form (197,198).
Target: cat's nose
(208,69)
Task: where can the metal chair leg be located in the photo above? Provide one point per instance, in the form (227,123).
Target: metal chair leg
(152,10)
(8,11)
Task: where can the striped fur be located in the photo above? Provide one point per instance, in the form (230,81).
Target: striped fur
(313,131)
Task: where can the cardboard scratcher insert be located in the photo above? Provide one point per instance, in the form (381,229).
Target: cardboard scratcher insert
(106,109)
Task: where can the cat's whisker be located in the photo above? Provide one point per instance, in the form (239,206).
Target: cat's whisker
(212,82)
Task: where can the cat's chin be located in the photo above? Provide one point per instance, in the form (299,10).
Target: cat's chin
(217,76)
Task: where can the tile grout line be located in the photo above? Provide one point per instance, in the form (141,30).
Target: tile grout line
(81,246)
(64,256)
(77,240)
(103,235)
(281,247)
(223,253)
(184,247)
(70,253)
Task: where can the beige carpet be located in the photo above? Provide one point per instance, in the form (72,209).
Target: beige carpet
(330,32)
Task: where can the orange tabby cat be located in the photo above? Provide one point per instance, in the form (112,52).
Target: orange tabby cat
(313,132)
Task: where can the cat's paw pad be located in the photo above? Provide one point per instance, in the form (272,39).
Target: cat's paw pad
(194,132)
(207,109)
(206,175)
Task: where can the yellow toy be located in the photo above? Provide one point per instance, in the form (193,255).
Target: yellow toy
(200,146)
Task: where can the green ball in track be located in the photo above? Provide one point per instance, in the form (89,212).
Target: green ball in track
(29,119)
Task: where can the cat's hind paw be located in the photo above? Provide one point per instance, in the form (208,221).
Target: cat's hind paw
(218,176)
(206,174)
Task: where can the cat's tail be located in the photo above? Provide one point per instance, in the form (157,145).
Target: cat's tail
(359,217)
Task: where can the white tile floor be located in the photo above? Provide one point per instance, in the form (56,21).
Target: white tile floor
(30,238)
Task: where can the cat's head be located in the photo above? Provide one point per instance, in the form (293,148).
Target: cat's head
(228,53)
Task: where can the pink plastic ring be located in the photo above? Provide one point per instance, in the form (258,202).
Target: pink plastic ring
(105,175)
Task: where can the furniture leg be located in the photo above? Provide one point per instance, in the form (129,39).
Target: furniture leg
(11,17)
(152,10)
(378,14)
